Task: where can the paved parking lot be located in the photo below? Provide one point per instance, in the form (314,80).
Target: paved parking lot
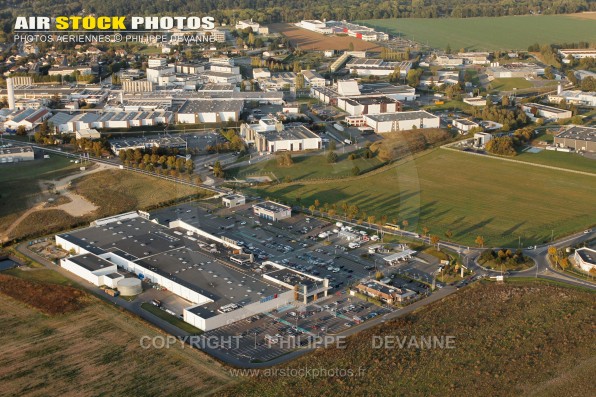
(312,246)
(270,335)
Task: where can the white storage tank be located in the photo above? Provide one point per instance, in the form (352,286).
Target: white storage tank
(130,286)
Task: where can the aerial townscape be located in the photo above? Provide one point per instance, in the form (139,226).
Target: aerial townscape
(297,198)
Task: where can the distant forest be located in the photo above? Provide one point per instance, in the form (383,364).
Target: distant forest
(270,11)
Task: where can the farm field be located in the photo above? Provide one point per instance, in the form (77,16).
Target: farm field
(500,349)
(311,41)
(304,167)
(469,195)
(490,33)
(95,350)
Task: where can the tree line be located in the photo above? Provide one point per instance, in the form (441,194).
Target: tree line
(269,11)
(160,164)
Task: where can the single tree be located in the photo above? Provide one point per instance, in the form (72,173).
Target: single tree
(479,241)
(448,234)
(434,240)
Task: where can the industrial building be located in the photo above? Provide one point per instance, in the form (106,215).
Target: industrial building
(475,58)
(577,53)
(574,97)
(233,200)
(377,67)
(137,86)
(369,104)
(153,73)
(93,269)
(272,211)
(315,26)
(87,134)
(195,112)
(270,135)
(475,101)
(548,112)
(578,138)
(464,125)
(522,70)
(313,79)
(64,122)
(359,31)
(384,292)
(401,121)
(350,89)
(343,27)
(15,154)
(170,142)
(585,258)
(67,70)
(482,138)
(181,259)
(28,118)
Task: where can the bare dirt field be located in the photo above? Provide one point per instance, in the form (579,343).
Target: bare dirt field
(94,351)
(306,40)
(51,299)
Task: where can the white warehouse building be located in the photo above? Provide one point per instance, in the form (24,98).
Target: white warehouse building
(401,121)
(181,261)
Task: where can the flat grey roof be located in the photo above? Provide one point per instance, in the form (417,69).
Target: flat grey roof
(580,133)
(82,241)
(587,255)
(16,150)
(90,262)
(137,237)
(540,106)
(401,116)
(224,283)
(211,106)
(271,206)
(465,122)
(291,277)
(290,132)
(370,100)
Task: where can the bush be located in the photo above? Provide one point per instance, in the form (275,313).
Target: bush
(332,157)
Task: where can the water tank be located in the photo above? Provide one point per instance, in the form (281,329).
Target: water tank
(130,286)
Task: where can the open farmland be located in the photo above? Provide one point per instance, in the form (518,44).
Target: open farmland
(311,41)
(469,195)
(509,340)
(95,350)
(490,33)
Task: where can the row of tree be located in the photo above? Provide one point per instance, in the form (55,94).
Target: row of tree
(153,162)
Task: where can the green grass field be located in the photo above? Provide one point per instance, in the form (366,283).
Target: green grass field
(570,161)
(451,105)
(20,184)
(466,194)
(490,33)
(510,84)
(305,167)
